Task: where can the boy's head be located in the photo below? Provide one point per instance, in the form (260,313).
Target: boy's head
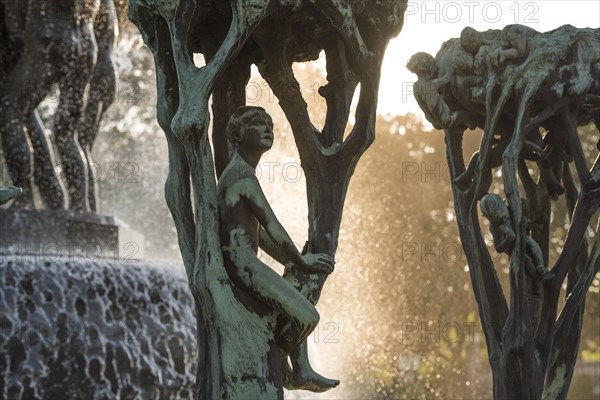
(240,119)
(422,64)
(462,64)
(471,40)
(494,209)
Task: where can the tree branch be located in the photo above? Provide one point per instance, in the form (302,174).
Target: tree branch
(177,187)
(493,309)
(276,69)
(363,132)
(581,218)
(228,95)
(577,295)
(568,328)
(338,92)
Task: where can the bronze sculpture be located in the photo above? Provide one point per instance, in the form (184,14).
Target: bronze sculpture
(247,222)
(48,43)
(528,91)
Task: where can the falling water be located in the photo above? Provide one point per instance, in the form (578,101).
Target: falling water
(83,329)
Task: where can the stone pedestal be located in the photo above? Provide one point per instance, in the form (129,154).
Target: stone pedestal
(67,234)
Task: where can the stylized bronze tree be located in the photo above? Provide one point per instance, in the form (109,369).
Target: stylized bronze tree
(232,36)
(514,84)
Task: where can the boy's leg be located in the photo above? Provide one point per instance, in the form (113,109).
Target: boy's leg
(304,377)
(274,291)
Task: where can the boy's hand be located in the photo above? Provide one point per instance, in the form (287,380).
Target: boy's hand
(320,262)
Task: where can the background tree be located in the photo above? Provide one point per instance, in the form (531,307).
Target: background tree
(532,343)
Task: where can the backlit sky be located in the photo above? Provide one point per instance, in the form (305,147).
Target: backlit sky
(429,23)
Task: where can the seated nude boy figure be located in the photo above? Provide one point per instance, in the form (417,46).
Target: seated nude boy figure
(246,222)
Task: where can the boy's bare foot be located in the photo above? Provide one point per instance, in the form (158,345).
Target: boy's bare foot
(311,381)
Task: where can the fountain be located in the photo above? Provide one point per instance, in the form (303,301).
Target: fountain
(81,316)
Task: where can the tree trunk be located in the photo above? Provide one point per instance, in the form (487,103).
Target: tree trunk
(228,367)
(531,352)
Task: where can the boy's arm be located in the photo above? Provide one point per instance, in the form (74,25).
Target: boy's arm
(437,83)
(251,191)
(268,246)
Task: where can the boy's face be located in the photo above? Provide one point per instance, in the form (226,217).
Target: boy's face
(471,41)
(422,65)
(425,69)
(257,131)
